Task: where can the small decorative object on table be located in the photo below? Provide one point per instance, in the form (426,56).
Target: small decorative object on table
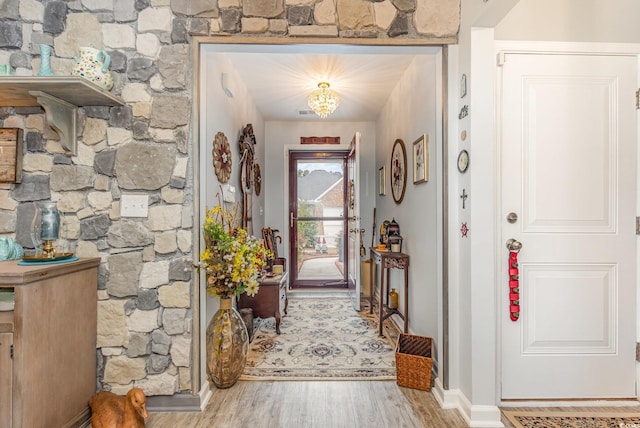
(45,228)
(109,410)
(10,249)
(232,261)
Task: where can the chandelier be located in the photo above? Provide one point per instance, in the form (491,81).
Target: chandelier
(323,101)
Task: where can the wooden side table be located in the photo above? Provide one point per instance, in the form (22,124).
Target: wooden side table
(388,260)
(271,300)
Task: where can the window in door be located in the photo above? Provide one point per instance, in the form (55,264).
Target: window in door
(317,210)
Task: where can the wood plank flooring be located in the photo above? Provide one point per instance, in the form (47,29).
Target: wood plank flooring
(318,404)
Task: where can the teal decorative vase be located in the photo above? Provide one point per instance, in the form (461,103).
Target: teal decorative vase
(45,61)
(227,345)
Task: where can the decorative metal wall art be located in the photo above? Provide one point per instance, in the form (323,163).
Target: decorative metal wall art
(257,179)
(221,153)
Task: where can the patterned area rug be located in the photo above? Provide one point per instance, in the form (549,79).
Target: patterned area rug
(532,419)
(321,339)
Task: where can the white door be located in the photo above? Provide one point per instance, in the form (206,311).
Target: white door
(568,171)
(353,209)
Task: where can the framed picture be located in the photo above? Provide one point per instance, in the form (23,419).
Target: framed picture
(398,170)
(421,159)
(382,185)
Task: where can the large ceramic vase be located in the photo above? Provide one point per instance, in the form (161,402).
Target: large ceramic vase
(227,346)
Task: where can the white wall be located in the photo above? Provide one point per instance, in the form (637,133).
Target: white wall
(283,136)
(413,109)
(572,21)
(220,113)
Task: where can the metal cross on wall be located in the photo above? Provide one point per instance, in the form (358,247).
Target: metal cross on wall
(464,197)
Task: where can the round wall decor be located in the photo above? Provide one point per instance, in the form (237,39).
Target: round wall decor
(463,161)
(398,170)
(221,157)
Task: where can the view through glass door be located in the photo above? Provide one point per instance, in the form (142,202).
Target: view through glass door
(318,219)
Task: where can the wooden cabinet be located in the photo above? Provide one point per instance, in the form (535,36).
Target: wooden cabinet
(271,300)
(49,376)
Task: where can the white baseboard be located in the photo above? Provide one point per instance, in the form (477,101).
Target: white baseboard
(205,395)
(474,415)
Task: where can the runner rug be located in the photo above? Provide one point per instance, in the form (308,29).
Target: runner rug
(541,419)
(321,339)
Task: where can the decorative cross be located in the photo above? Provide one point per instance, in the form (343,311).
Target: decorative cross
(464,197)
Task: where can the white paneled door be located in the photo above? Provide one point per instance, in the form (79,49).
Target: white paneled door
(568,174)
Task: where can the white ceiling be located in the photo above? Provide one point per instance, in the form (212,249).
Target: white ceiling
(279,78)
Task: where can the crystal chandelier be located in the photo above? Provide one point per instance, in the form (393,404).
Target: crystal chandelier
(323,101)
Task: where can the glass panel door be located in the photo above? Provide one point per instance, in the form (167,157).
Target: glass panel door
(317,211)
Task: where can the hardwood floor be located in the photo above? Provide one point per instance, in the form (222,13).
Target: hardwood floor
(318,404)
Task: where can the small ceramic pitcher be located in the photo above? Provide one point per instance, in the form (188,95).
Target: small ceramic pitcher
(93,65)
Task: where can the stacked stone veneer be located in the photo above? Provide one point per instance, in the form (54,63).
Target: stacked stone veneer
(144,147)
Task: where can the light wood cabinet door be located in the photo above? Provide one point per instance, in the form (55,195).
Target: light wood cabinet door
(6,369)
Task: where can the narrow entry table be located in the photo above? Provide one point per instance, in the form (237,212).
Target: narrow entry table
(271,300)
(388,260)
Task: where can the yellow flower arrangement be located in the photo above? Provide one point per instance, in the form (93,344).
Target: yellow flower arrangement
(232,258)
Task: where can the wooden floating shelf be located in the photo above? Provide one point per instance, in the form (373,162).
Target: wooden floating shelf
(14,91)
(60,96)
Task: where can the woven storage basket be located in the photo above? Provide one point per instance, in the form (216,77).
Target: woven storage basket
(414,361)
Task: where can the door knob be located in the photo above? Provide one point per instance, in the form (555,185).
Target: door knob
(513,245)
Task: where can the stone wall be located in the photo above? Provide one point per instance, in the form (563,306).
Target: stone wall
(144,147)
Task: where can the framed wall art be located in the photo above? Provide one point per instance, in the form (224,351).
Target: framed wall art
(382,181)
(421,159)
(398,170)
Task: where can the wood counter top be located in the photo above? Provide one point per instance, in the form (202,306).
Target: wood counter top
(12,274)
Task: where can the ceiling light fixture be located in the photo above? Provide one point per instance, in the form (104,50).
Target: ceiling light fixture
(323,101)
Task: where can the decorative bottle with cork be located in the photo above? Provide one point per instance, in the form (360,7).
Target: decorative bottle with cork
(393,299)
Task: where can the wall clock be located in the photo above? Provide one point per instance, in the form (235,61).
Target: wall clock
(398,170)
(463,161)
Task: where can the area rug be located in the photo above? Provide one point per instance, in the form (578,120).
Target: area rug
(558,419)
(321,339)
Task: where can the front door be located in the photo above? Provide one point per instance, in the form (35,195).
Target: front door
(568,172)
(318,219)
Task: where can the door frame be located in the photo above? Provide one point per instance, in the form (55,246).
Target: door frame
(547,48)
(200,388)
(316,154)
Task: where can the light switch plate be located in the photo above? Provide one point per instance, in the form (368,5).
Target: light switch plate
(228,193)
(134,206)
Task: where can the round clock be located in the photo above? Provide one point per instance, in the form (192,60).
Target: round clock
(398,170)
(463,161)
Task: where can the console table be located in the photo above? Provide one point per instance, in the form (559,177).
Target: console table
(271,300)
(388,260)
(48,344)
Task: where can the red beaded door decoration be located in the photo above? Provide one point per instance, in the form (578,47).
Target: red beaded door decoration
(514,286)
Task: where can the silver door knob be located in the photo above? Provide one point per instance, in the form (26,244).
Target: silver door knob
(513,245)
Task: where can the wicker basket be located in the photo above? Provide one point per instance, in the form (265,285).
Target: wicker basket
(414,361)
